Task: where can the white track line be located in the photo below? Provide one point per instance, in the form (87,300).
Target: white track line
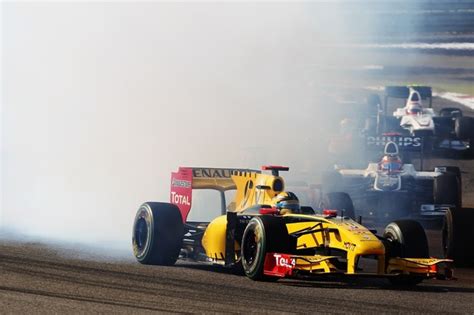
(464,99)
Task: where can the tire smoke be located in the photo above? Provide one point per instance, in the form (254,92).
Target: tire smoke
(103,100)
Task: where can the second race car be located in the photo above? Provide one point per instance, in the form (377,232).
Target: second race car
(448,133)
(390,189)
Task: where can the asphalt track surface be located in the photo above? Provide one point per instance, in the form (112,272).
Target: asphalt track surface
(40,279)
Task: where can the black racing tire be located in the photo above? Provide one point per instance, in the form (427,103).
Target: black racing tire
(458,236)
(455,170)
(464,127)
(263,234)
(447,190)
(340,201)
(469,153)
(452,169)
(405,239)
(157,233)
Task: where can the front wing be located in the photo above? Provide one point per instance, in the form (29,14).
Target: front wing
(288,265)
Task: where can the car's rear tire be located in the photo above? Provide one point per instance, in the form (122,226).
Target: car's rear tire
(464,127)
(469,153)
(340,201)
(405,239)
(456,171)
(263,234)
(450,112)
(157,233)
(447,190)
(458,236)
(452,169)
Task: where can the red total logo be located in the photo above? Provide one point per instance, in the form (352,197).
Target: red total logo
(179,199)
(284,261)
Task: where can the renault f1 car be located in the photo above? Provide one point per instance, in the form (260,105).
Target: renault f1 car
(390,189)
(447,132)
(271,239)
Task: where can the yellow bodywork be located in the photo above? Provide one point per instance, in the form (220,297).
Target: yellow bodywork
(252,188)
(425,266)
(340,233)
(255,189)
(345,235)
(213,239)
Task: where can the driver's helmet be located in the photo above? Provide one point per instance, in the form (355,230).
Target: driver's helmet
(286,202)
(414,108)
(391,163)
(413,105)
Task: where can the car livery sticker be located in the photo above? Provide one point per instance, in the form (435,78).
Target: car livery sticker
(403,142)
(279,265)
(181,190)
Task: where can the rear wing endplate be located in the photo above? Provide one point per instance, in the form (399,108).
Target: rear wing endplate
(188,178)
(404,92)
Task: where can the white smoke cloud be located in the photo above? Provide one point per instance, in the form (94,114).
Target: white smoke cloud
(103,100)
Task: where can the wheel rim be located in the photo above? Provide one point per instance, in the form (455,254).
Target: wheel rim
(393,244)
(250,248)
(141,233)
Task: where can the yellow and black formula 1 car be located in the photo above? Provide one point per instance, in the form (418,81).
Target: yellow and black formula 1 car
(264,230)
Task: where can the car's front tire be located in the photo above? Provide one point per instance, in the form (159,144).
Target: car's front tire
(263,234)
(405,239)
(447,190)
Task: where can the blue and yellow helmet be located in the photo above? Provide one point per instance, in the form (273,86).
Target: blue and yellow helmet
(286,202)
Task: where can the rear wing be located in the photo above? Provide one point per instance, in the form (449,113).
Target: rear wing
(408,146)
(188,178)
(404,92)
